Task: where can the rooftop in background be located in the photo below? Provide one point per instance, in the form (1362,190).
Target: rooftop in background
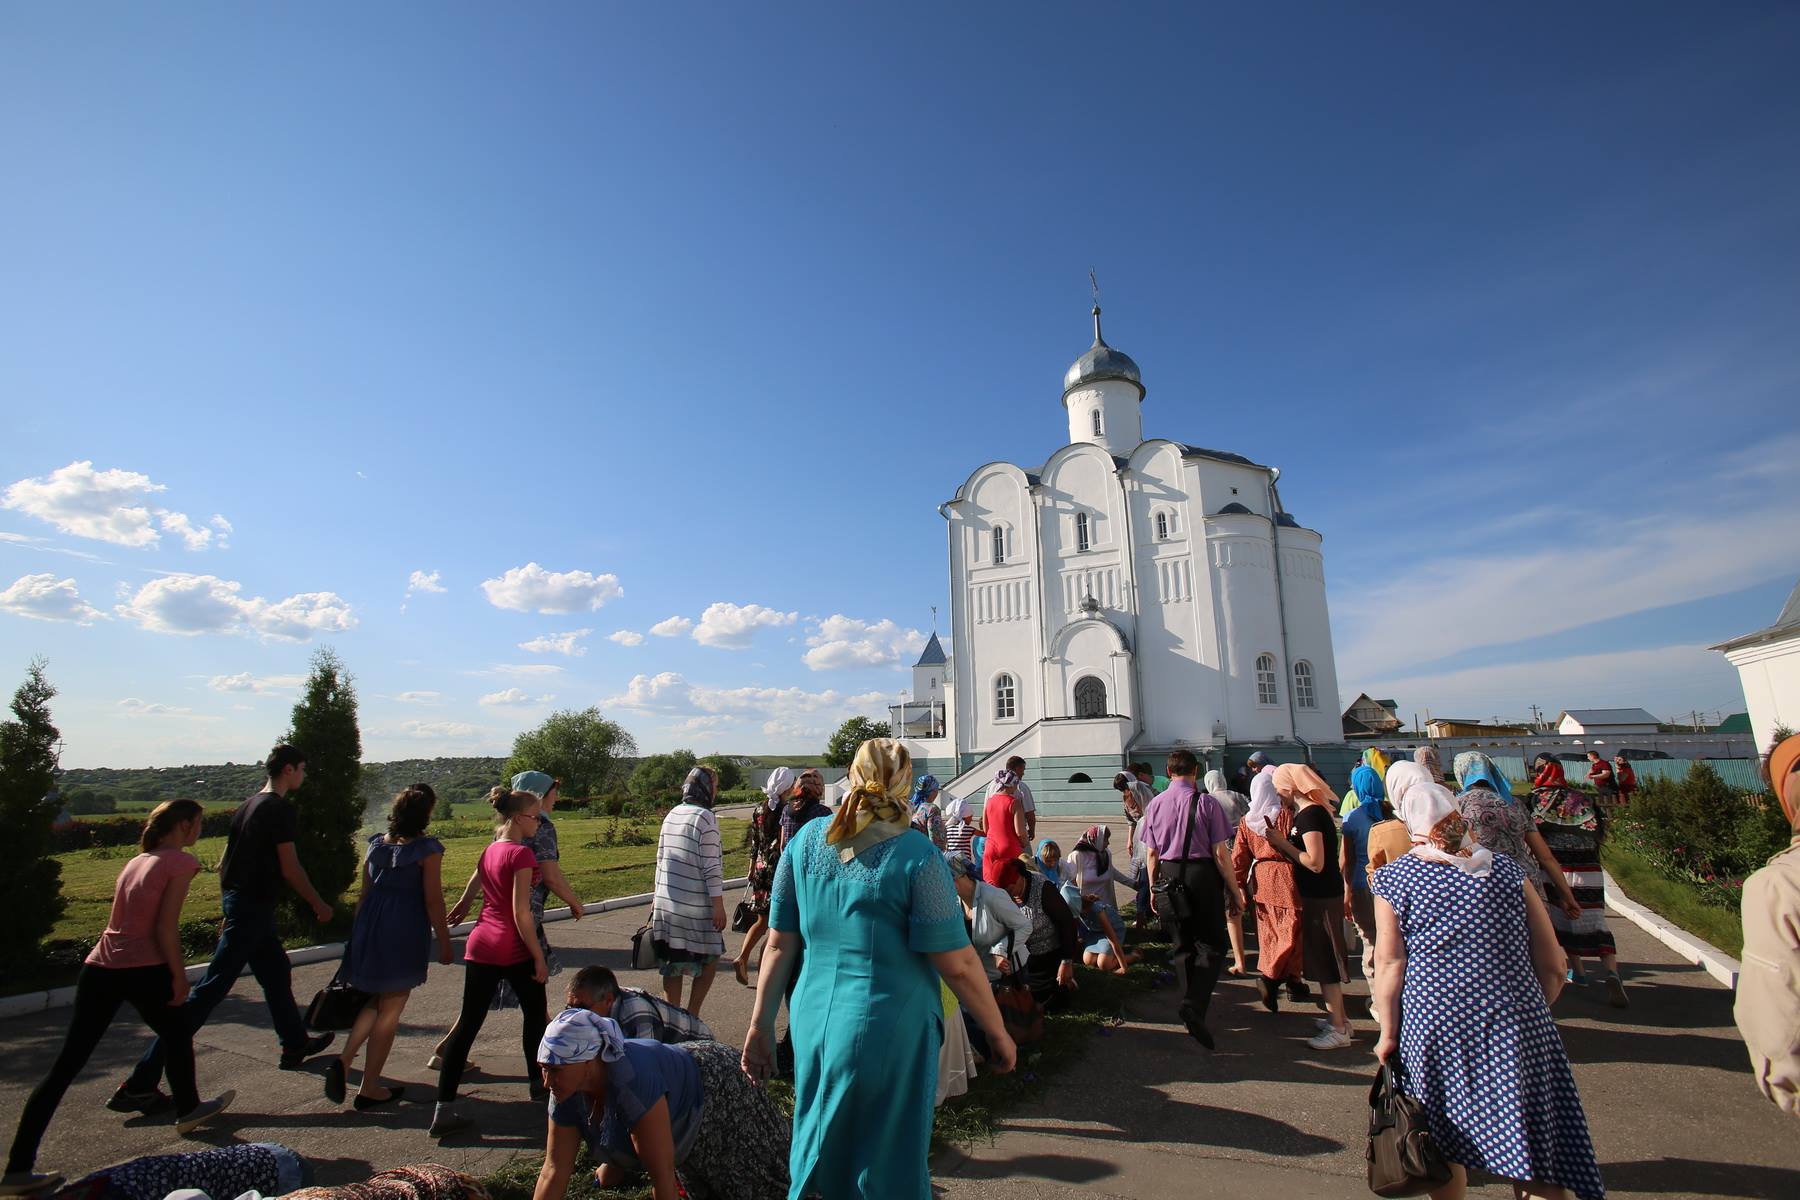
(933,654)
(1610,716)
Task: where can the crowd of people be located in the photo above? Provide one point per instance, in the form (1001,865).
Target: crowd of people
(897,926)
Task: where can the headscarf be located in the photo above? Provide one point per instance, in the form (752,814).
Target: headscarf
(1366,786)
(1094,841)
(576,1035)
(924,789)
(535,782)
(1295,780)
(1265,803)
(1782,761)
(697,788)
(1004,778)
(780,785)
(1038,857)
(1219,788)
(1257,759)
(1373,757)
(1549,773)
(963,867)
(1565,806)
(1473,767)
(1439,833)
(1427,757)
(875,805)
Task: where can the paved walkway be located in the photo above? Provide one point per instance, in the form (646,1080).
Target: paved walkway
(1145,1114)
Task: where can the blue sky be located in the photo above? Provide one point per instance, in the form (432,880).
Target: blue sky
(661,310)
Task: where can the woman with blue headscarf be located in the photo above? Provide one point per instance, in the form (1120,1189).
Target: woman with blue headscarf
(925,815)
(1370,794)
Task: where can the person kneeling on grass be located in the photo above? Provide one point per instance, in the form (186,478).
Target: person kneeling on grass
(686,1116)
(638,1013)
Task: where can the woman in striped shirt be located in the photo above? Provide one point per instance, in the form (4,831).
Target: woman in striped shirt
(687,918)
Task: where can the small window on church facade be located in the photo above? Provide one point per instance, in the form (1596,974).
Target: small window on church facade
(999,544)
(1096,422)
(1081,531)
(1303,685)
(1265,679)
(1006,705)
(1162,526)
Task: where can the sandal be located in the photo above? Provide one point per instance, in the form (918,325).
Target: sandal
(742,970)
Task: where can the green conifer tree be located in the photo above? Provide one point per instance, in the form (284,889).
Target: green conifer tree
(30,879)
(329,803)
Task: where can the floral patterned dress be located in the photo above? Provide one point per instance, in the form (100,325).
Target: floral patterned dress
(1501,824)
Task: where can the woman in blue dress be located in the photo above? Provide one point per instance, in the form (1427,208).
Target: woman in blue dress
(1467,965)
(401,906)
(870,899)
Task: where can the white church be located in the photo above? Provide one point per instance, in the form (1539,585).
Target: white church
(1126,597)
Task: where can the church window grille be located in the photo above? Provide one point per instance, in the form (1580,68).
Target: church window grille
(1090,697)
(1006,703)
(1265,680)
(1162,526)
(1304,695)
(1081,531)
(999,545)
(1097,423)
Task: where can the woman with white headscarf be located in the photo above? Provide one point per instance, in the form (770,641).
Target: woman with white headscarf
(1266,877)
(1236,806)
(685,1115)
(687,917)
(763,838)
(1467,964)
(871,900)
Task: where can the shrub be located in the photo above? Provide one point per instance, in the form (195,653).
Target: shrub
(1701,832)
(125,829)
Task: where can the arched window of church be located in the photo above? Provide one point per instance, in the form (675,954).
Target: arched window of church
(1162,526)
(1096,422)
(1303,685)
(1265,679)
(999,544)
(1006,702)
(1090,697)
(1081,531)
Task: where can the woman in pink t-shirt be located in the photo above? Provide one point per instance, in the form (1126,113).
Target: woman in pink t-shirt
(138,960)
(503,945)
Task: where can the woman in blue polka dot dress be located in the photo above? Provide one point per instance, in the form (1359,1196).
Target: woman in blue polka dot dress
(1467,965)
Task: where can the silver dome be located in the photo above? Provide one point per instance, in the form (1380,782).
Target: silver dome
(1102,362)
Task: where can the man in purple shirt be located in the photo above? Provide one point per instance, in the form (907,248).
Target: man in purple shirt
(1186,842)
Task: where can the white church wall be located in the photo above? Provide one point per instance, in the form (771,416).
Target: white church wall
(994,606)
(1309,634)
(1243,562)
(1121,415)
(1089,647)
(1770,673)
(1079,481)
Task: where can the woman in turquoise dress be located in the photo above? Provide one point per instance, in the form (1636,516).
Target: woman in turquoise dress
(870,899)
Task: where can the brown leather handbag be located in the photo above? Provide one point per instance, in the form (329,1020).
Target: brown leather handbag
(1403,1158)
(1020,1012)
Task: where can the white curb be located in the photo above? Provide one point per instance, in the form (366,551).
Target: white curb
(63,997)
(1709,958)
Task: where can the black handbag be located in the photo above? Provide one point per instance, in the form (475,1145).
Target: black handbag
(1173,904)
(335,1006)
(1403,1158)
(742,917)
(643,950)
(1020,1012)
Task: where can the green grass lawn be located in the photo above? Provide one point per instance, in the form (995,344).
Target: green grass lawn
(597,871)
(1673,901)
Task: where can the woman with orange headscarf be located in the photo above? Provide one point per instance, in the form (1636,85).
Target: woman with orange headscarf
(1319,878)
(1768,999)
(871,900)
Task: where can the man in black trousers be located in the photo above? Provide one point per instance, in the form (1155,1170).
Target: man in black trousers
(1186,840)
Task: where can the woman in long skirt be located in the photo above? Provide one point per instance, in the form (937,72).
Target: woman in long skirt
(1267,877)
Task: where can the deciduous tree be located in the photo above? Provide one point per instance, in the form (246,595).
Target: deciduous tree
(851,734)
(583,749)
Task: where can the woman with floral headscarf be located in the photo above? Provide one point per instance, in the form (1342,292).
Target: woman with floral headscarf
(1499,822)
(1004,825)
(685,1115)
(1572,831)
(687,918)
(871,900)
(1466,967)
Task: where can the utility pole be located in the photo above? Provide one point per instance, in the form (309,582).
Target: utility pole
(1537,719)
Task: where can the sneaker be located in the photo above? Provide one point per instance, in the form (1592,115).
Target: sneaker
(1577,978)
(206,1111)
(444,1125)
(1323,1023)
(1330,1039)
(1615,991)
(127,1101)
(28,1183)
(293,1060)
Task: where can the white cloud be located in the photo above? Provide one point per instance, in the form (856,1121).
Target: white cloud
(530,588)
(146,708)
(791,731)
(42,544)
(626,637)
(436,730)
(195,604)
(424,581)
(673,627)
(108,506)
(420,697)
(568,644)
(732,626)
(670,694)
(841,641)
(47,598)
(513,697)
(522,669)
(256,685)
(693,725)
